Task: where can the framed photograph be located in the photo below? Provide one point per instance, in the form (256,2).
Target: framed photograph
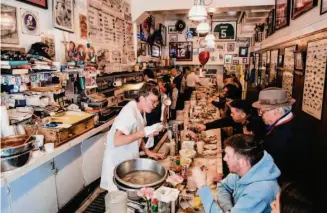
(182,51)
(243,51)
(38,3)
(236,61)
(230,47)
(172,29)
(271,22)
(193,30)
(63,15)
(245,60)
(144,31)
(9,32)
(323,6)
(228,59)
(220,47)
(299,60)
(30,22)
(143,49)
(152,22)
(299,7)
(163,32)
(173,38)
(282,8)
(155,51)
(224,30)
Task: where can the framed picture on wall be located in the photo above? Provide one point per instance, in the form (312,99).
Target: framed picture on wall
(236,61)
(271,22)
(155,51)
(224,30)
(173,38)
(282,8)
(143,49)
(182,51)
(9,34)
(323,7)
(280,61)
(38,3)
(63,15)
(230,47)
(299,7)
(245,60)
(243,51)
(299,61)
(172,29)
(228,59)
(163,32)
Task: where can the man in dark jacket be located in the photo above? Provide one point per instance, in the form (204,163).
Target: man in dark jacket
(286,140)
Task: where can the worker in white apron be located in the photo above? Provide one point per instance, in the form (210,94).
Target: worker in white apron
(126,134)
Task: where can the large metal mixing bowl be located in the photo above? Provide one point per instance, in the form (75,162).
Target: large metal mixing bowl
(15,161)
(139,164)
(14,145)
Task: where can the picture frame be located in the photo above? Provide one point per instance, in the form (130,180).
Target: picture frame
(243,51)
(39,3)
(245,60)
(143,49)
(9,35)
(63,17)
(230,47)
(144,32)
(228,59)
(235,62)
(182,51)
(224,30)
(271,23)
(155,51)
(152,22)
(163,31)
(282,11)
(172,29)
(299,7)
(299,61)
(30,22)
(173,38)
(193,30)
(323,6)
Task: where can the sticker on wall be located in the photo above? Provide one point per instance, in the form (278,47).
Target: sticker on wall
(9,33)
(30,22)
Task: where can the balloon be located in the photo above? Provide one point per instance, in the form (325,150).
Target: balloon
(204,57)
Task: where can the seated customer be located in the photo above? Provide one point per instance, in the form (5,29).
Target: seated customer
(251,185)
(293,198)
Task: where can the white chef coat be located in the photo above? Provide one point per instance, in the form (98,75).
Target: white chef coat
(192,79)
(128,121)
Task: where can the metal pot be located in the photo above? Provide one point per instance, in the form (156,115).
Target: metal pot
(14,145)
(15,161)
(139,164)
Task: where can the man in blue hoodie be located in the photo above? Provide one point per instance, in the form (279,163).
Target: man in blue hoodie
(252,182)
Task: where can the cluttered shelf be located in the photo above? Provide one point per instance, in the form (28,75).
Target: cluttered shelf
(38,157)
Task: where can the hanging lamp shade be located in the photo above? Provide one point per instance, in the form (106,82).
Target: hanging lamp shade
(198,12)
(203,28)
(210,44)
(210,37)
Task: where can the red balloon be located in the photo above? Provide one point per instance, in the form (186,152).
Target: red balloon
(204,57)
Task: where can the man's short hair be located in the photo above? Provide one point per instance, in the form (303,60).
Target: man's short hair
(246,146)
(233,92)
(243,105)
(146,90)
(148,73)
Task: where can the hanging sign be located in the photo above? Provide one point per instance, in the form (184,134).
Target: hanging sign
(224,31)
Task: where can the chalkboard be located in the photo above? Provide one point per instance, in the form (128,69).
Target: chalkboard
(182,51)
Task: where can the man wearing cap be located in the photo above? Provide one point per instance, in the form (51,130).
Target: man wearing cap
(284,140)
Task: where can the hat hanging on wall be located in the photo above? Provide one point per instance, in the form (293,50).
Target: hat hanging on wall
(180,25)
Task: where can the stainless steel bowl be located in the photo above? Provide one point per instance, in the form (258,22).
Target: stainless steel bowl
(139,164)
(15,161)
(15,145)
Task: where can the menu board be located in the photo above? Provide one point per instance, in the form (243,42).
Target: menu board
(315,78)
(182,51)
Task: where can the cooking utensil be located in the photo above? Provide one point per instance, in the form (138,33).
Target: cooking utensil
(14,145)
(15,161)
(139,164)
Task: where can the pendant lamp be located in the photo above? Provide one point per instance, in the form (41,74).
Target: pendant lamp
(198,12)
(203,28)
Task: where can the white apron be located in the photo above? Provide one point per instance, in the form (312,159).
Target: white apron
(128,121)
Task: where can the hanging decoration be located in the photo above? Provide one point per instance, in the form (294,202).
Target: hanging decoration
(204,57)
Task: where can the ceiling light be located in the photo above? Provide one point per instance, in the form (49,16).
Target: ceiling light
(210,37)
(198,12)
(210,44)
(231,13)
(203,28)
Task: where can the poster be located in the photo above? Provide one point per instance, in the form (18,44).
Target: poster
(83,26)
(30,22)
(315,78)
(282,9)
(63,15)
(8,19)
